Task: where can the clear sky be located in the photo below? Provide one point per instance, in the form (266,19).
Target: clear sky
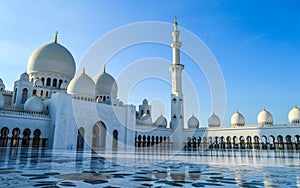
(256,44)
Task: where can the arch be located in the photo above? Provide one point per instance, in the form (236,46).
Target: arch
(249,142)
(36,138)
(48,82)
(228,141)
(4,137)
(26,138)
(34,92)
(256,142)
(115,138)
(24,95)
(54,84)
(222,142)
(43,80)
(60,82)
(280,142)
(148,141)
(264,142)
(99,135)
(142,112)
(144,141)
(15,137)
(289,142)
(242,142)
(152,141)
(235,142)
(80,138)
(139,141)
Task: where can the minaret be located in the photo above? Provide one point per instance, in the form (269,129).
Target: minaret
(177,118)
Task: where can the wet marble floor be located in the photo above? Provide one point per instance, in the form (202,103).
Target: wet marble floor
(148,168)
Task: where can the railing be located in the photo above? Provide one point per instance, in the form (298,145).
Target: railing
(21,113)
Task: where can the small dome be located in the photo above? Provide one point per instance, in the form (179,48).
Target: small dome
(161,121)
(105,85)
(145,102)
(146,118)
(214,121)
(294,116)
(38,83)
(64,85)
(2,100)
(265,118)
(24,76)
(52,57)
(193,122)
(82,85)
(34,104)
(237,119)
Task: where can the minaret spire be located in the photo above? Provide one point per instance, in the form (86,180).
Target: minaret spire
(55,38)
(175,23)
(104,69)
(177,108)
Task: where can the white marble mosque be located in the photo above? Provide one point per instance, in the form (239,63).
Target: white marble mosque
(52,107)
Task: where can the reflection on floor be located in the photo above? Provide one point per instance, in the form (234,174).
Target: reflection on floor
(144,167)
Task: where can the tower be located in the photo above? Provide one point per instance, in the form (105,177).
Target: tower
(177,115)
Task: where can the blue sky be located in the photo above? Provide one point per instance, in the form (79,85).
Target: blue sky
(256,44)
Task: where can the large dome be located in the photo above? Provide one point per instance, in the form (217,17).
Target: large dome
(237,119)
(193,122)
(34,104)
(82,85)
(265,118)
(294,115)
(105,85)
(214,121)
(52,57)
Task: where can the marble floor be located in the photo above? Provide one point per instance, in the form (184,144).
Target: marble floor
(148,168)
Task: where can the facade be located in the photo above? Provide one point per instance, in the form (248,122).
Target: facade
(51,107)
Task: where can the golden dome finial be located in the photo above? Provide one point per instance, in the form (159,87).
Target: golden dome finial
(55,38)
(265,109)
(83,70)
(175,23)
(104,69)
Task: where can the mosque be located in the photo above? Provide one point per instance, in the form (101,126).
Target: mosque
(51,107)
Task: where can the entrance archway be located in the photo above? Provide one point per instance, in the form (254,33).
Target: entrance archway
(99,135)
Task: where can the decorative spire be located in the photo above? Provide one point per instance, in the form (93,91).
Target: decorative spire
(295,106)
(175,23)
(83,70)
(55,38)
(104,69)
(265,109)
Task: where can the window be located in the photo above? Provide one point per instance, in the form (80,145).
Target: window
(54,84)
(48,82)
(24,95)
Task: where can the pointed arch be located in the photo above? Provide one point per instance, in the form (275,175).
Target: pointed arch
(99,135)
